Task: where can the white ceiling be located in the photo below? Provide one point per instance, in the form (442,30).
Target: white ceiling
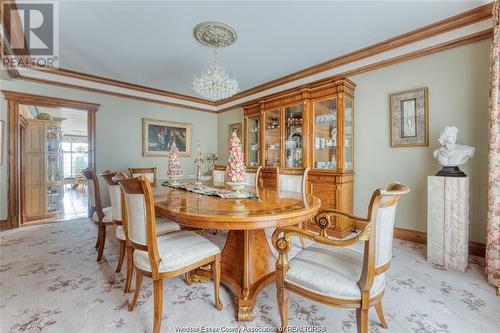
(151,42)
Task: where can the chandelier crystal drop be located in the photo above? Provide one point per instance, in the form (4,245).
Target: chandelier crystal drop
(215,83)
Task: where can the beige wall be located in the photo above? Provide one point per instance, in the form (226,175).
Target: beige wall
(119,130)
(223,121)
(458,95)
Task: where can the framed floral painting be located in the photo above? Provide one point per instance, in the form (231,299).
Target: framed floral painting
(409,118)
(157,135)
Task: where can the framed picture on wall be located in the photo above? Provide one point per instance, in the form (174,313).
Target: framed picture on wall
(235,128)
(157,136)
(409,118)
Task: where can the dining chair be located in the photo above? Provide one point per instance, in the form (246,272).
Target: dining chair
(149,173)
(219,174)
(100,216)
(116,212)
(163,226)
(166,256)
(334,273)
(253,178)
(293,182)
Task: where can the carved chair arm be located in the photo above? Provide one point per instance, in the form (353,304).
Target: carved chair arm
(323,219)
(282,244)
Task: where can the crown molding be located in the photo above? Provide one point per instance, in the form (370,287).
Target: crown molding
(471,38)
(48,77)
(11,30)
(466,27)
(48,101)
(454,22)
(128,85)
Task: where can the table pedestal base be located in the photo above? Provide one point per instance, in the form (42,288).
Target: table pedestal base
(247,267)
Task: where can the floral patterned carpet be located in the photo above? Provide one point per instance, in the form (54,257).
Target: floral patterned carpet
(50,282)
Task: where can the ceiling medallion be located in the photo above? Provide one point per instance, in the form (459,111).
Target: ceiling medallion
(214,34)
(215,83)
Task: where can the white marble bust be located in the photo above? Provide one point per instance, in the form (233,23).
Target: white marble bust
(450,153)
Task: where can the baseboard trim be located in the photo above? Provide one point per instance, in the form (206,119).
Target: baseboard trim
(475,248)
(410,235)
(4,224)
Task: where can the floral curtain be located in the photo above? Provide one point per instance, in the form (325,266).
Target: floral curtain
(493,228)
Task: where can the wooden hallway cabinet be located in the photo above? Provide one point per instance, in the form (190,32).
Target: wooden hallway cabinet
(308,126)
(44,185)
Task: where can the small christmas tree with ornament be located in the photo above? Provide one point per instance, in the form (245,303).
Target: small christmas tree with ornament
(174,166)
(235,171)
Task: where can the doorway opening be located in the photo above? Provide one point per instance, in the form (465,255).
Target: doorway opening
(54,150)
(48,181)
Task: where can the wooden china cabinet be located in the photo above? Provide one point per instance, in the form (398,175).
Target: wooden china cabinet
(309,126)
(44,186)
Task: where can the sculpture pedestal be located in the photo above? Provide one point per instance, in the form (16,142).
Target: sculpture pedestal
(448,222)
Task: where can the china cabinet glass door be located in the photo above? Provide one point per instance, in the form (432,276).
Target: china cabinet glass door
(273,138)
(53,168)
(253,140)
(325,134)
(348,133)
(54,198)
(293,136)
(53,139)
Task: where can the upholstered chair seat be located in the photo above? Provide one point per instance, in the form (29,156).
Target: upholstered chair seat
(331,271)
(108,216)
(339,272)
(165,256)
(177,250)
(163,226)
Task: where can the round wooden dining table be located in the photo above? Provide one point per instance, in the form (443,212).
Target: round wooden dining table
(247,261)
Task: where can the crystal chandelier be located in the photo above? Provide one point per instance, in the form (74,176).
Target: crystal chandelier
(215,83)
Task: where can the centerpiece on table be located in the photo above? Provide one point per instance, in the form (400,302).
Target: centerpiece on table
(174,171)
(235,171)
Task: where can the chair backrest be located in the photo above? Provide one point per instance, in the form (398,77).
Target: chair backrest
(253,178)
(292,182)
(381,216)
(93,192)
(385,218)
(149,173)
(114,193)
(219,174)
(139,217)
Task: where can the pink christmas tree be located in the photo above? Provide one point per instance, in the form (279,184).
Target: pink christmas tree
(235,171)
(174,166)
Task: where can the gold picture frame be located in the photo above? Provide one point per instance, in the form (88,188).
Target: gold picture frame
(235,127)
(158,134)
(409,118)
